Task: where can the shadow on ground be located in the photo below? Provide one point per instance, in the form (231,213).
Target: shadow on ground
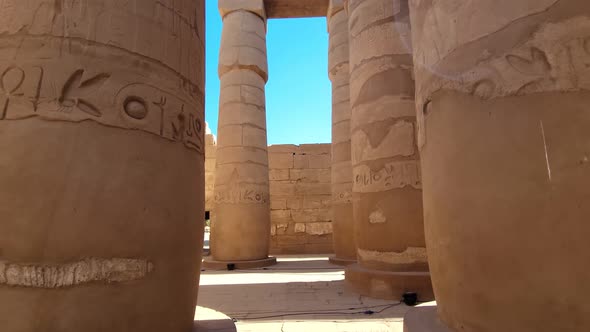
(307,266)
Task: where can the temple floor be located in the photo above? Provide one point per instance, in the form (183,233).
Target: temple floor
(300,293)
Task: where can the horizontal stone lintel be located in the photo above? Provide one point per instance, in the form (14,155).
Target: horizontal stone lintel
(296,8)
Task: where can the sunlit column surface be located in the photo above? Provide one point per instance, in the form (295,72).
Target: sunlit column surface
(240,231)
(387,186)
(101,164)
(502,95)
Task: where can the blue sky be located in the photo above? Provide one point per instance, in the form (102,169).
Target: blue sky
(298,92)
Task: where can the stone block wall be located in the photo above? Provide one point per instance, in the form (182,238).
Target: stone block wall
(300,196)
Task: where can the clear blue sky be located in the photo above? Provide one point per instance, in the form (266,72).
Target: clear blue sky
(298,92)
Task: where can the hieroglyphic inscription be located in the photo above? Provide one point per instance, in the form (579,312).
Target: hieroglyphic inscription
(151,109)
(49,276)
(77,89)
(397,174)
(343,197)
(32,90)
(241,195)
(555,58)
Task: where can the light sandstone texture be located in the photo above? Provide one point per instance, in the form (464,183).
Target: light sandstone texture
(387,187)
(240,230)
(502,96)
(102,164)
(295,8)
(210,161)
(339,72)
(300,198)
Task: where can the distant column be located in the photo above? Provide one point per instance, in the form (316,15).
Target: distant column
(342,220)
(240,232)
(387,190)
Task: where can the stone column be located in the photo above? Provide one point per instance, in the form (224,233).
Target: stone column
(502,95)
(101,170)
(240,233)
(210,161)
(342,220)
(387,189)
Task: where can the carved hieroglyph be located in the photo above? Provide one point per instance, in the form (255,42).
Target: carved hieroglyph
(33,86)
(503,89)
(71,274)
(556,58)
(41,74)
(387,184)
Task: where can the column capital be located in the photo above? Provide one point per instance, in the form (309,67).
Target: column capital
(255,6)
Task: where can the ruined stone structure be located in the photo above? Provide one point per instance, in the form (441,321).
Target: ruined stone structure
(300,198)
(387,187)
(101,169)
(338,70)
(240,233)
(376,189)
(502,97)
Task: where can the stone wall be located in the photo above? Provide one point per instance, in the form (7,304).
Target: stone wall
(300,195)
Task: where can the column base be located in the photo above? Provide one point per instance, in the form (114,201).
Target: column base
(210,264)
(208,319)
(388,285)
(341,261)
(424,319)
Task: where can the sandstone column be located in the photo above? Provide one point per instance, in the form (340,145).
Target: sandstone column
(101,170)
(387,194)
(241,225)
(342,220)
(502,94)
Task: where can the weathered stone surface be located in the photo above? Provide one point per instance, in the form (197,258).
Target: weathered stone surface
(242,175)
(102,163)
(243,47)
(229,6)
(318,228)
(51,276)
(302,195)
(386,193)
(296,8)
(281,161)
(320,149)
(502,101)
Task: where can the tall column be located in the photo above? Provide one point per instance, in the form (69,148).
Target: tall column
(387,189)
(101,170)
(240,231)
(502,94)
(338,69)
